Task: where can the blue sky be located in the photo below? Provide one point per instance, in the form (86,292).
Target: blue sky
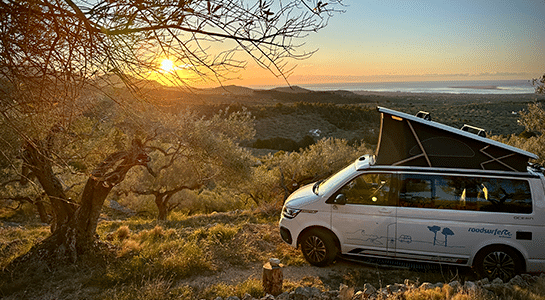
(424,40)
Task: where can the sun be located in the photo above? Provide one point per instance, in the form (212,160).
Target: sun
(167,65)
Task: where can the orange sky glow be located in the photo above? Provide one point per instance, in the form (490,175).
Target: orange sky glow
(419,40)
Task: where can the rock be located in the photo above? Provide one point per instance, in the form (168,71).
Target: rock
(455,285)
(283,296)
(483,281)
(369,290)
(518,281)
(529,278)
(314,292)
(359,295)
(426,286)
(267,297)
(232,298)
(247,297)
(497,281)
(300,293)
(410,283)
(345,293)
(118,207)
(470,286)
(396,288)
(218,298)
(330,295)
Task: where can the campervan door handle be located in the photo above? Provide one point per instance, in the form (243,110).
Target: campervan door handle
(385,210)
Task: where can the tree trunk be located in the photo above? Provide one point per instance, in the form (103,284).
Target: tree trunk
(162,207)
(38,159)
(74,230)
(42,211)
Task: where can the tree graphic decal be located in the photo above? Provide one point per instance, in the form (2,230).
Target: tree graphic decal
(446,232)
(434,229)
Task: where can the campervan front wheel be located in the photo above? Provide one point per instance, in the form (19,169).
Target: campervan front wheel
(498,262)
(318,247)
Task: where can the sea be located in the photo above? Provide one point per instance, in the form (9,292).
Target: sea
(449,87)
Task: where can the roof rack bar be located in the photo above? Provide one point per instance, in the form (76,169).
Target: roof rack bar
(424,115)
(476,130)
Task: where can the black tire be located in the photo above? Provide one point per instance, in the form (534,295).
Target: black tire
(498,262)
(318,247)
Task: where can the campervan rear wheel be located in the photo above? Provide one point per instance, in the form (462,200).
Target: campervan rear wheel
(498,262)
(318,247)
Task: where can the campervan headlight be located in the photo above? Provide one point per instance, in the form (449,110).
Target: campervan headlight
(290,213)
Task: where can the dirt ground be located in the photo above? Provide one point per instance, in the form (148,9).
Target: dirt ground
(342,271)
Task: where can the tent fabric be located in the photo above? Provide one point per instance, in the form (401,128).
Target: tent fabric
(407,140)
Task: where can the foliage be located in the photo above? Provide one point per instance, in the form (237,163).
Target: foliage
(191,153)
(59,56)
(533,140)
(295,169)
(539,84)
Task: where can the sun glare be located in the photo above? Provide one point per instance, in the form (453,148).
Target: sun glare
(167,65)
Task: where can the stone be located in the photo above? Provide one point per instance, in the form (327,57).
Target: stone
(455,285)
(369,290)
(426,286)
(359,295)
(410,283)
(470,286)
(247,297)
(300,293)
(483,281)
(497,281)
(518,281)
(283,296)
(345,293)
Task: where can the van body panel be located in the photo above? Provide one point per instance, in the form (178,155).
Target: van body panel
(365,228)
(456,215)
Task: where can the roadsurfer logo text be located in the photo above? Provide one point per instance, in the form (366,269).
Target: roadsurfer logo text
(499,232)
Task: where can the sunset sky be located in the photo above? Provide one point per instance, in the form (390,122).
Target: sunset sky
(421,40)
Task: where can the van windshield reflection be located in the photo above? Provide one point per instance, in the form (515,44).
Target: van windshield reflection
(323,187)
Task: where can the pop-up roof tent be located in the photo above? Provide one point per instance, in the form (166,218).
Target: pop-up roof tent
(407,140)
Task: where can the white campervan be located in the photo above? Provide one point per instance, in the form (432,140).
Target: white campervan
(431,193)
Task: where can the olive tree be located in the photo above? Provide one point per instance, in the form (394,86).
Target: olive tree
(190,152)
(283,172)
(57,58)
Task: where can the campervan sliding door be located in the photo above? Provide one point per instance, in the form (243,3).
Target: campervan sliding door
(427,230)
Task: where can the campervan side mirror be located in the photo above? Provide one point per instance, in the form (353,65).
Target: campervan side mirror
(340,199)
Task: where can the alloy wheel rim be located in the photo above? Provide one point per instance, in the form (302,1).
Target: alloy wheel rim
(315,248)
(499,265)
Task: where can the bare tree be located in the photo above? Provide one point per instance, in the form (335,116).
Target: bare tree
(54,54)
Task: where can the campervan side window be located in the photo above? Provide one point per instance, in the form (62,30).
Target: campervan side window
(369,189)
(465,193)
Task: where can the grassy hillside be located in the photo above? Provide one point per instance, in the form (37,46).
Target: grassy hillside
(221,254)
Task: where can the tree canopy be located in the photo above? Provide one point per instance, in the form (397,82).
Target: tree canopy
(64,69)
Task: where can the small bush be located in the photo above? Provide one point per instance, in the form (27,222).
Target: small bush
(122,232)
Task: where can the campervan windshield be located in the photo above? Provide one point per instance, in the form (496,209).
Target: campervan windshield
(334,180)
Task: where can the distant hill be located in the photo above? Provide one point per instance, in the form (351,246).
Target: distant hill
(227,89)
(114,80)
(291,89)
